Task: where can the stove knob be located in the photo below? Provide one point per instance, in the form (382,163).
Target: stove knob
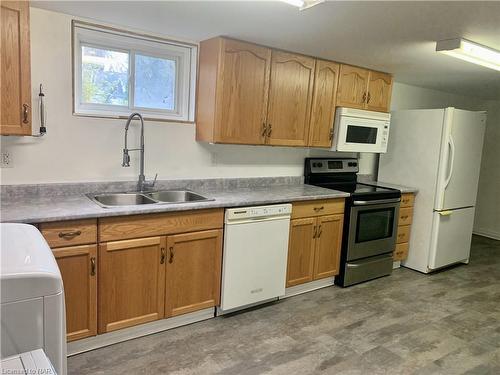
(320,165)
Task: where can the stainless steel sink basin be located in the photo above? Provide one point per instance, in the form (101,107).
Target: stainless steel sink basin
(176,196)
(122,199)
(108,200)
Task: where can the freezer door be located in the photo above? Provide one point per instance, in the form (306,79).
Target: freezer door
(451,237)
(460,159)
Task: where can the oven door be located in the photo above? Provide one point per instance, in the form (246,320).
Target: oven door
(372,228)
(362,135)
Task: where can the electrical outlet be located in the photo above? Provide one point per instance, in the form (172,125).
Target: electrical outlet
(6,160)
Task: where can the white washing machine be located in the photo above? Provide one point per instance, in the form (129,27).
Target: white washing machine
(32,296)
(34,362)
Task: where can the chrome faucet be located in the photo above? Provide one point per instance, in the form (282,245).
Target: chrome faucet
(142,184)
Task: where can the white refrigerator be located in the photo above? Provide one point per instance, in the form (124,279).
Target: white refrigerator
(439,152)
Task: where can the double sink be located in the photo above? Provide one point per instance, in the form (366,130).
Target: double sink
(108,200)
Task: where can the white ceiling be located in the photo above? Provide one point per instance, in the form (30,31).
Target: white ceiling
(396,37)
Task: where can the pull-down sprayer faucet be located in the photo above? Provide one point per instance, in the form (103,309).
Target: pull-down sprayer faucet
(142,184)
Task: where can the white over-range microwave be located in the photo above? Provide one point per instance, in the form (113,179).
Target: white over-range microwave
(357,130)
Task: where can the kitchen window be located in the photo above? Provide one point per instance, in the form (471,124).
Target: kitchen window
(118,72)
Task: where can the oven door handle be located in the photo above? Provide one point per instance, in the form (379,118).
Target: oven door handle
(380,201)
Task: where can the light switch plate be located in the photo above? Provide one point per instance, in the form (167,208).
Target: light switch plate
(6,160)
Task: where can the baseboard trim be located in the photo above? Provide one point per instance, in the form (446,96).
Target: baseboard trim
(487,233)
(308,287)
(106,339)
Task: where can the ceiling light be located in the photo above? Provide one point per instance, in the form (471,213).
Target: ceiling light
(471,52)
(303,4)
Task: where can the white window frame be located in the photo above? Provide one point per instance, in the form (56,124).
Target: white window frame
(184,55)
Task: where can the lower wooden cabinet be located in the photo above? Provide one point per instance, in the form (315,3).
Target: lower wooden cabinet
(328,244)
(131,282)
(404,227)
(314,248)
(193,272)
(77,265)
(300,251)
(146,279)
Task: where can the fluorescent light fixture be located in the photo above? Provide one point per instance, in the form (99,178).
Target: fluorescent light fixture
(296,3)
(303,4)
(469,51)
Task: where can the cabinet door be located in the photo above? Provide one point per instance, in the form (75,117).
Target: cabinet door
(353,86)
(290,98)
(379,92)
(328,243)
(15,78)
(79,274)
(301,251)
(242,92)
(194,262)
(131,282)
(323,104)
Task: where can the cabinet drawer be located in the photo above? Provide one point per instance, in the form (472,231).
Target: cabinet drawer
(407,200)
(401,252)
(69,233)
(405,216)
(403,234)
(317,208)
(136,226)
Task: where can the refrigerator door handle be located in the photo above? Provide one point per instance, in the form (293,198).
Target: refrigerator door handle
(451,156)
(445,213)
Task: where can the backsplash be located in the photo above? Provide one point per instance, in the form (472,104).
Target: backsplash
(66,189)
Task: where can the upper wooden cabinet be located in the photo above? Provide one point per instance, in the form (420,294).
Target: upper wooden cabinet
(364,89)
(323,104)
(290,98)
(15,69)
(379,92)
(232,91)
(353,84)
(248,94)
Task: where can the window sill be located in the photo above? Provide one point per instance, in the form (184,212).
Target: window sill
(123,117)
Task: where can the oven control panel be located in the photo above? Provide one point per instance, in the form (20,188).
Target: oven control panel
(322,165)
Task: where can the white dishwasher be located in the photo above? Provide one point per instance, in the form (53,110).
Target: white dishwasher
(255,255)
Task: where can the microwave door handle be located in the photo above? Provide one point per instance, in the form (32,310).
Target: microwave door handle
(451,157)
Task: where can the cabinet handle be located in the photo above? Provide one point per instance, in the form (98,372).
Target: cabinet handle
(314,232)
(319,232)
(92,266)
(163,255)
(368,98)
(25,113)
(171,256)
(317,209)
(364,97)
(404,217)
(69,235)
(330,136)
(269,130)
(264,129)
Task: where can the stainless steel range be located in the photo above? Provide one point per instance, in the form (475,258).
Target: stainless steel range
(370,221)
